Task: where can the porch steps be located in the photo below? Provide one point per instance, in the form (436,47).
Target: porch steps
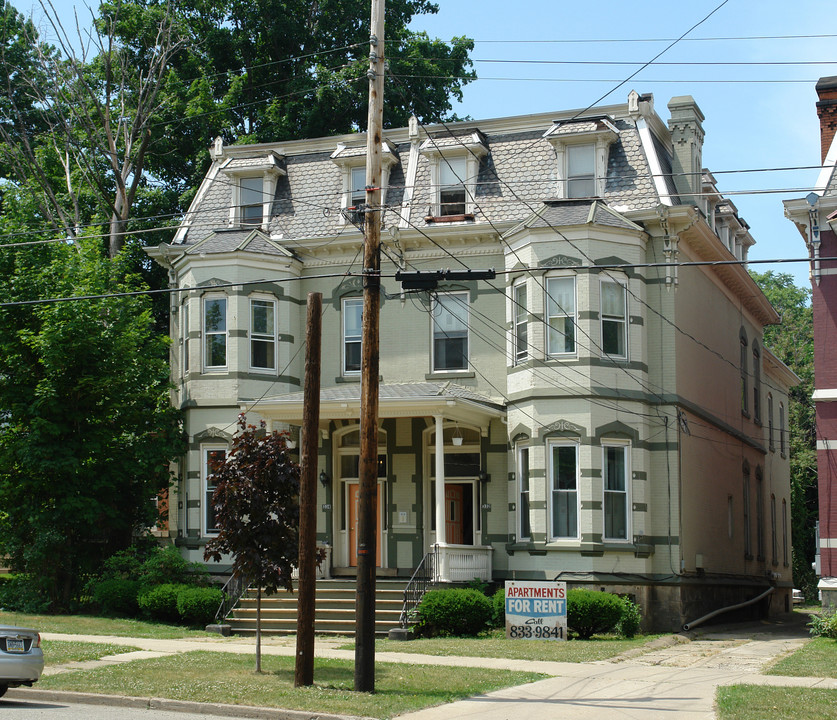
(334,612)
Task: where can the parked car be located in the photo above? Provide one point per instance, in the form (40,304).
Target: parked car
(21,657)
(798,597)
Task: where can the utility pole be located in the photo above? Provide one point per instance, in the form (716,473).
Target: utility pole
(368,493)
(306,587)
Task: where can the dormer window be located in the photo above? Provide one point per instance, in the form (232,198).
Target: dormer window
(253,181)
(352,162)
(581,171)
(454,169)
(251,196)
(581,150)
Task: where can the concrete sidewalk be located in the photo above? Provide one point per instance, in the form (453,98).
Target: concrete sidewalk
(675,676)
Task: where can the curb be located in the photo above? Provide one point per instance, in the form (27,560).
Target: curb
(184,706)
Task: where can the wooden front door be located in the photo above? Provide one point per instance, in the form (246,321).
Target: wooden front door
(454,514)
(354,501)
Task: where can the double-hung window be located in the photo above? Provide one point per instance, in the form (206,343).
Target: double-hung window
(756,382)
(215,332)
(560,312)
(581,171)
(520,314)
(184,326)
(453,174)
(450,332)
(352,324)
(782,429)
(213,459)
(614,319)
(616,501)
(524,530)
(357,193)
(742,371)
(563,481)
(262,334)
(251,200)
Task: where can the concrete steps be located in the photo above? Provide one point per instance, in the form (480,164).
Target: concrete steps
(334,613)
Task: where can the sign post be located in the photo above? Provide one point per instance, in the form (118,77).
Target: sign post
(536,610)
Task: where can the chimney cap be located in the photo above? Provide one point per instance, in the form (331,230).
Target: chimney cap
(827,83)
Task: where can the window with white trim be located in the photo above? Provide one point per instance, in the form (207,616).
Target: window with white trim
(614,318)
(450,331)
(520,313)
(524,528)
(214,332)
(581,171)
(615,469)
(560,315)
(184,327)
(251,200)
(212,457)
(352,334)
(562,465)
(262,334)
(453,193)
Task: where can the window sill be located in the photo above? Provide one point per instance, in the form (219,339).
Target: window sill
(449,218)
(449,374)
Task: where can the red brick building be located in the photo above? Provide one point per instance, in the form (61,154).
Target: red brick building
(816,218)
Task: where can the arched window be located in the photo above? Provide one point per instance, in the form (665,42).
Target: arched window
(756,382)
(742,365)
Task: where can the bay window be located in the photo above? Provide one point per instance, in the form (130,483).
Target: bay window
(560,314)
(615,476)
(563,481)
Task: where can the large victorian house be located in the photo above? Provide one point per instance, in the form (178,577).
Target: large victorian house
(592,414)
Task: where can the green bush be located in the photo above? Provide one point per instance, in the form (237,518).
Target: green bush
(824,625)
(590,612)
(167,565)
(628,624)
(160,601)
(116,597)
(198,605)
(19,594)
(498,602)
(455,612)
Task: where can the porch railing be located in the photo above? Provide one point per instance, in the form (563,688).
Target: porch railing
(232,591)
(424,578)
(464,563)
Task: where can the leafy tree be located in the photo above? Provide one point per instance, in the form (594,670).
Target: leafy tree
(256,503)
(87,430)
(793,343)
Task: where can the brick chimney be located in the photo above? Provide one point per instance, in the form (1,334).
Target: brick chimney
(827,112)
(686,126)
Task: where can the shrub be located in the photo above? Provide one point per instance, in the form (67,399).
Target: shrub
(116,597)
(454,612)
(498,601)
(160,601)
(198,605)
(19,594)
(590,612)
(628,624)
(167,565)
(824,625)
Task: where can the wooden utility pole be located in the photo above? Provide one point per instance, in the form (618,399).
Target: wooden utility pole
(306,587)
(368,472)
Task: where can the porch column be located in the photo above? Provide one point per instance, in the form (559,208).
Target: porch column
(440,481)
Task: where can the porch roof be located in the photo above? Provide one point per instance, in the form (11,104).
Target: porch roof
(423,399)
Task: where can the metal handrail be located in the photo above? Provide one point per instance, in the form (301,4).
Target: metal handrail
(424,578)
(232,591)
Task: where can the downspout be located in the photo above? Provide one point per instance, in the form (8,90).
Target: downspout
(694,623)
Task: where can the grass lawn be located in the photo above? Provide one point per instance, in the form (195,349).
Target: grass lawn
(89,625)
(58,652)
(817,658)
(598,648)
(756,702)
(228,678)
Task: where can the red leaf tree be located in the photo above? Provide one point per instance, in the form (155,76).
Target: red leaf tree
(256,503)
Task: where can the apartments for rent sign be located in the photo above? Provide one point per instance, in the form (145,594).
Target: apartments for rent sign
(536,610)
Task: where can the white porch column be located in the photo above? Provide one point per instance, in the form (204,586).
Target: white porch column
(440,481)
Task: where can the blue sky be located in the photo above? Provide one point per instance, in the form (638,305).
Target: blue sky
(757,94)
